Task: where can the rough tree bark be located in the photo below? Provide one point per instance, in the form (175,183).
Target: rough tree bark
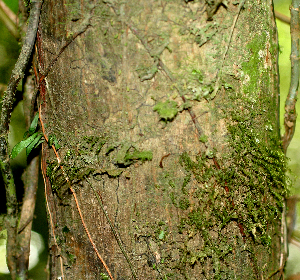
(169,111)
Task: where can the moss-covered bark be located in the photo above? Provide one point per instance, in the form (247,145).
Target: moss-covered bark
(176,128)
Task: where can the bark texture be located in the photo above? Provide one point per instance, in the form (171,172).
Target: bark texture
(175,125)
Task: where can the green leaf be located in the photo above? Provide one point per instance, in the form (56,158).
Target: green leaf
(37,141)
(104,276)
(32,127)
(34,124)
(21,145)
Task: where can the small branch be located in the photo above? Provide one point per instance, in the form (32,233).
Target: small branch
(27,212)
(295,242)
(19,69)
(30,179)
(10,14)
(10,20)
(279,270)
(17,75)
(282,17)
(290,115)
(7,105)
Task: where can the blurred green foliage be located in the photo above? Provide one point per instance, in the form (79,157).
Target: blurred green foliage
(293,151)
(9,47)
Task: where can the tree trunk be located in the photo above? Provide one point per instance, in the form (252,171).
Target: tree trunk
(168,112)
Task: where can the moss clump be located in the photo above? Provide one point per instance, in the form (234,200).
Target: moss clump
(128,154)
(137,155)
(184,203)
(200,168)
(256,174)
(203,138)
(166,110)
(254,169)
(91,159)
(248,191)
(93,143)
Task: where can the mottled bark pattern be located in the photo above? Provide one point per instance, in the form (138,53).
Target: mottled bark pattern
(186,203)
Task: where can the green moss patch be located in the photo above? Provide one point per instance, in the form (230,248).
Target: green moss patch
(167,110)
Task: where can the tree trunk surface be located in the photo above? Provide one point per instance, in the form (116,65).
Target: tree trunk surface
(168,111)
